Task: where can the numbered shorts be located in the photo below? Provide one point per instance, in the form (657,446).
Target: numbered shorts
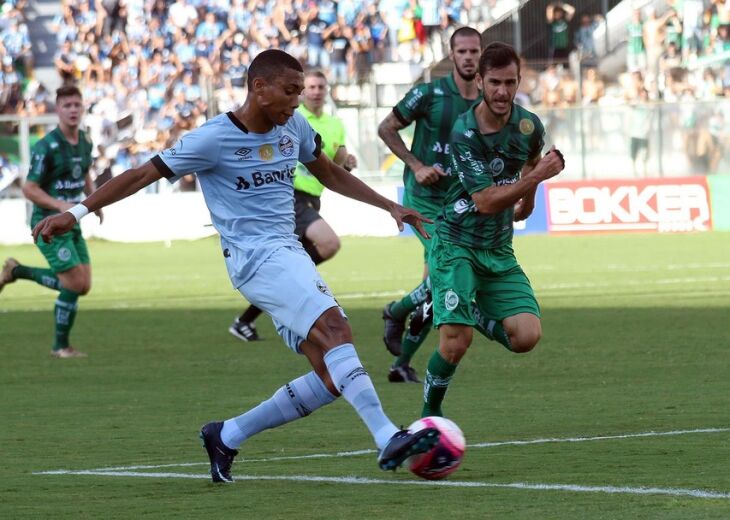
(65,251)
(429,209)
(470,284)
(288,288)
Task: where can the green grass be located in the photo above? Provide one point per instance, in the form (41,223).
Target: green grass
(635,340)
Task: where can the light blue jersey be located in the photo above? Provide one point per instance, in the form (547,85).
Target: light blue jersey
(247,182)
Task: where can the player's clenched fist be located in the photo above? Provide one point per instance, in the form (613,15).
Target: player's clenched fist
(53,226)
(552,163)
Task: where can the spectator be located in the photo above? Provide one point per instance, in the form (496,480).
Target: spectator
(635,53)
(296,48)
(362,44)
(640,126)
(317,56)
(65,60)
(593,88)
(378,32)
(14,42)
(584,42)
(338,41)
(181,13)
(11,99)
(558,14)
(654,34)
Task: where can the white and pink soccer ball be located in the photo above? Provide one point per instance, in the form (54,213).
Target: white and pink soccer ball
(444,458)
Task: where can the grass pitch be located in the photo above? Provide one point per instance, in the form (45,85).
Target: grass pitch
(623,407)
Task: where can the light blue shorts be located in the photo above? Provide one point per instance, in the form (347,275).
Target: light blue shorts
(288,288)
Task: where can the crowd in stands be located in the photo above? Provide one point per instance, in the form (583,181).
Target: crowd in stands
(152,69)
(682,53)
(19,93)
(678,54)
(162,66)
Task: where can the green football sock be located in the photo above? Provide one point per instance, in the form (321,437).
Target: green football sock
(42,276)
(65,313)
(438,377)
(399,310)
(494,330)
(411,344)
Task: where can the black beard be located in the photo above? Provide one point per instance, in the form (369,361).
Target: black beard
(466,77)
(489,107)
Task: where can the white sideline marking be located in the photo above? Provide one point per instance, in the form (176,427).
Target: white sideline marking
(599,438)
(556,289)
(677,492)
(368,451)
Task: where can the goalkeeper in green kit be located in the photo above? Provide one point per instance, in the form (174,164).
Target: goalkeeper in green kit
(476,282)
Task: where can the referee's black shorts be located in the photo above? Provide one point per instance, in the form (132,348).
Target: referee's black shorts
(306,211)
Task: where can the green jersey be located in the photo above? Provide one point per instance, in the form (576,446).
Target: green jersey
(559,32)
(480,161)
(434,107)
(60,169)
(332,132)
(635,38)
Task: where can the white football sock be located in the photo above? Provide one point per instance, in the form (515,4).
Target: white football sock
(292,401)
(354,383)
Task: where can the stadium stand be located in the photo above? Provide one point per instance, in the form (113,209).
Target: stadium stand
(152,69)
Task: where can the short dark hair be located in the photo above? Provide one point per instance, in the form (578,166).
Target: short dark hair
(67,91)
(271,63)
(464,31)
(498,55)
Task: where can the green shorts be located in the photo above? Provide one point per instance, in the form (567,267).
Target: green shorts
(65,251)
(469,285)
(428,208)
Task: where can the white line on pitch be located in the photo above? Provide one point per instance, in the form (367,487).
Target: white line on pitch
(599,438)
(677,492)
(471,446)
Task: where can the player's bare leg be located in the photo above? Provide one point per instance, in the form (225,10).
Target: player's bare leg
(324,238)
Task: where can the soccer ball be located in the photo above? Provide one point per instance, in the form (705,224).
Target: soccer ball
(444,458)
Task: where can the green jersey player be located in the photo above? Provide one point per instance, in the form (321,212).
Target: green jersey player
(58,177)
(427,177)
(476,281)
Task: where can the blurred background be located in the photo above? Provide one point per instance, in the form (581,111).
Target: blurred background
(635,93)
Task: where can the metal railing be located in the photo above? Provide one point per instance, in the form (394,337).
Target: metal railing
(599,142)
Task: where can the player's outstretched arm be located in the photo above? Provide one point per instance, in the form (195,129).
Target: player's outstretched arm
(337,179)
(115,190)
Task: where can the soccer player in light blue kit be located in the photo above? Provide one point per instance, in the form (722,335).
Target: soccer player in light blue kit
(245,162)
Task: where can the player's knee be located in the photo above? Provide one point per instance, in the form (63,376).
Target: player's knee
(453,344)
(328,248)
(524,341)
(77,286)
(331,330)
(85,288)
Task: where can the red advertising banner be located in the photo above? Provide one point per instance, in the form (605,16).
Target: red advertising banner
(677,204)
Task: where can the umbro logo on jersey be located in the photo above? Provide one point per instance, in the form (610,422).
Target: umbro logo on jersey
(243,153)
